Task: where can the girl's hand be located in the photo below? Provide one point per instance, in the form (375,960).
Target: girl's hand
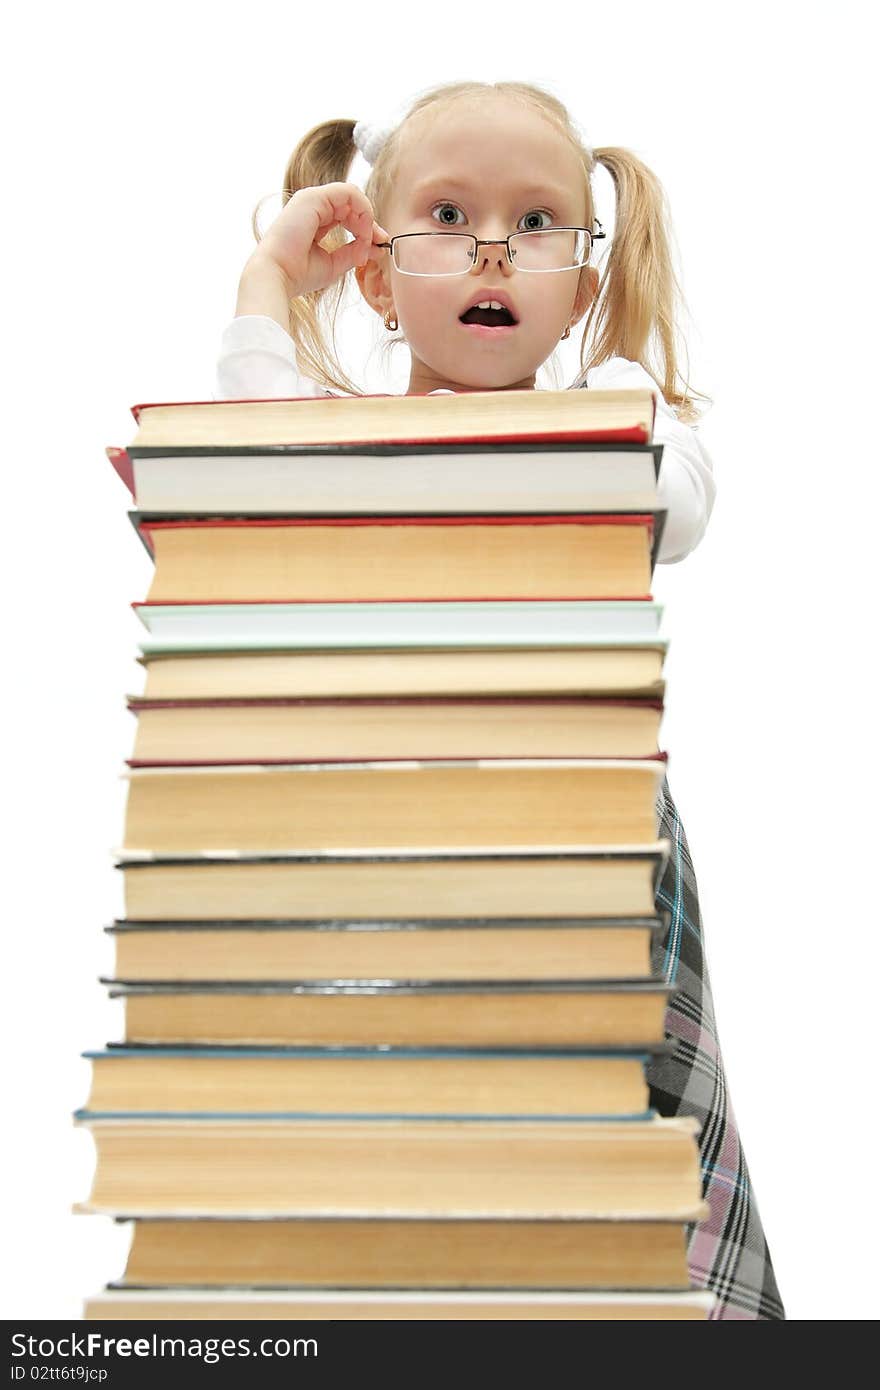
(291,242)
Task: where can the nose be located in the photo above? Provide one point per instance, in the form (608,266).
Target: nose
(492,253)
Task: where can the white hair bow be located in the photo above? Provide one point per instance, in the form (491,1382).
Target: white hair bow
(370,139)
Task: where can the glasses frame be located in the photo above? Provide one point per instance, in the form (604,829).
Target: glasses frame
(496,241)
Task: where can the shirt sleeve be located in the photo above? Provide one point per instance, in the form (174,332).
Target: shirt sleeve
(257,361)
(686,486)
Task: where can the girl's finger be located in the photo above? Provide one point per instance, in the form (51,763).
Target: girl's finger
(356,223)
(345,257)
(350,201)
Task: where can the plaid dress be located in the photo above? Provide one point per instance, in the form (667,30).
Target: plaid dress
(727,1253)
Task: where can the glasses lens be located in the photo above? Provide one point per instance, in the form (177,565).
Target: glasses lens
(434,253)
(558,248)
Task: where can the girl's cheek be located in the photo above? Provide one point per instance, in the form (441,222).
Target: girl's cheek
(429,306)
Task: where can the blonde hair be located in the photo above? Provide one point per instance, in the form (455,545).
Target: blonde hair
(634,313)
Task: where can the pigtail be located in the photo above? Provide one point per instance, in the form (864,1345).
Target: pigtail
(635,310)
(323,155)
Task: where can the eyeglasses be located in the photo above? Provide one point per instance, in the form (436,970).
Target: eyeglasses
(455,253)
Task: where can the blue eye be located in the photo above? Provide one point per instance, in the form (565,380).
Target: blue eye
(445,220)
(535,212)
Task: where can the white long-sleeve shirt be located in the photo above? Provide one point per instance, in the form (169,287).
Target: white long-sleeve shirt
(258,361)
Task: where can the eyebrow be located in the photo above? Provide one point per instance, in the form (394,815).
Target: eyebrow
(555,191)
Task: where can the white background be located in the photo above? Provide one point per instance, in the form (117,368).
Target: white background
(138,141)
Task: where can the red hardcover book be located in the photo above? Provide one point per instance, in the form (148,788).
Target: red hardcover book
(388,558)
(461,418)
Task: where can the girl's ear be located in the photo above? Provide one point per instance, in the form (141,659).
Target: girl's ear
(374,285)
(588,286)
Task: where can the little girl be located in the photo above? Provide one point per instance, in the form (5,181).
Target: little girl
(487,161)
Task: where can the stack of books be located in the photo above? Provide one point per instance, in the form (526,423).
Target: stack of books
(390,862)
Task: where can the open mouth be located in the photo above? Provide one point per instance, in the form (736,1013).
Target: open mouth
(488,318)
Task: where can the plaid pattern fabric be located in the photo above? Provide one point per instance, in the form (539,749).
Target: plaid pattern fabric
(727,1253)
